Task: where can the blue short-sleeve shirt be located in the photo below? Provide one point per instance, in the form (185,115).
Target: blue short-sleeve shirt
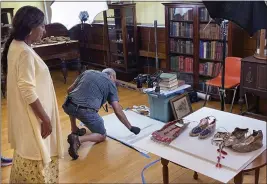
(93,89)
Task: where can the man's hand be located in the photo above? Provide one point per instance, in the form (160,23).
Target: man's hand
(46,129)
(121,116)
(135,130)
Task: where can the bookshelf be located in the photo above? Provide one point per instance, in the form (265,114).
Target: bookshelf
(121,29)
(180,48)
(193,52)
(210,49)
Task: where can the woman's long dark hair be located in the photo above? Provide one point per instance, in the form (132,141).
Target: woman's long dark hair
(26,18)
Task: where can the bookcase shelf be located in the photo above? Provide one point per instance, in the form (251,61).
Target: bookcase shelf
(194,43)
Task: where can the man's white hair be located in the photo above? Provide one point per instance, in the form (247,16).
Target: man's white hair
(109,71)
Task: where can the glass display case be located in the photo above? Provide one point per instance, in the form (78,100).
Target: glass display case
(121,24)
(261,49)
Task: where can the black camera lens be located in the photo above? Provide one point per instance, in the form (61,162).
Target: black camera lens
(150,84)
(157,89)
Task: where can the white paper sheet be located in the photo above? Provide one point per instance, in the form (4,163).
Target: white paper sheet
(205,150)
(118,131)
(201,166)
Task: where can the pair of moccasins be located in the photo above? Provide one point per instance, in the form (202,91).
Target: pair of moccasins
(239,142)
(205,128)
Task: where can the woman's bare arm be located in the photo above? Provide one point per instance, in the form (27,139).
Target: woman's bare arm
(39,111)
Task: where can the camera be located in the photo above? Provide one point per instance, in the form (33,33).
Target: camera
(147,78)
(141,79)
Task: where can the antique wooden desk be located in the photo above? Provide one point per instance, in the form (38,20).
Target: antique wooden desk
(253,81)
(65,52)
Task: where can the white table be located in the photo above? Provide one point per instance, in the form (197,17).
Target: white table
(201,165)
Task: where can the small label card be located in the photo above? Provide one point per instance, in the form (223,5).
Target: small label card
(180,123)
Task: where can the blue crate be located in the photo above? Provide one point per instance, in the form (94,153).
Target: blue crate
(160,107)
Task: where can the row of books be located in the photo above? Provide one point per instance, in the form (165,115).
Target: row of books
(181,64)
(181,29)
(204,14)
(211,50)
(188,78)
(181,46)
(181,14)
(209,69)
(212,32)
(203,87)
(169,82)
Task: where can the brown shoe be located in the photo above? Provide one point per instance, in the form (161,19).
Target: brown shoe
(251,143)
(80,132)
(75,144)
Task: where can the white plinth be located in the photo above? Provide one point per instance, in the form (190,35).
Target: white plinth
(200,156)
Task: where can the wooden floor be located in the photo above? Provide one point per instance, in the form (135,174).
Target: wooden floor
(110,162)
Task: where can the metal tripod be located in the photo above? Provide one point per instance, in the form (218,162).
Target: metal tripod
(222,90)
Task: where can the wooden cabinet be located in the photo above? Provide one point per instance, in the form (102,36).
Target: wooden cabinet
(147,47)
(249,77)
(6,16)
(253,81)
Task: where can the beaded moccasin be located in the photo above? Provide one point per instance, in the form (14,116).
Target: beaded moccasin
(237,136)
(204,123)
(169,132)
(208,131)
(251,143)
(220,137)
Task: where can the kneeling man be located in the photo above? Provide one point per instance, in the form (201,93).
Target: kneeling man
(89,92)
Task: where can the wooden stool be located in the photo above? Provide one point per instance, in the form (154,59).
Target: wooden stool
(256,165)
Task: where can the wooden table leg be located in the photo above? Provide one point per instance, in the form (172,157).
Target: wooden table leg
(195,175)
(64,70)
(257,175)
(165,170)
(238,179)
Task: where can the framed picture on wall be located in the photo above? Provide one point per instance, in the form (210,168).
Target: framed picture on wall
(181,106)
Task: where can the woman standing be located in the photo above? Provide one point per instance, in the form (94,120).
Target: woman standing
(33,118)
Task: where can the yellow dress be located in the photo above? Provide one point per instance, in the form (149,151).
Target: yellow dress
(29,79)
